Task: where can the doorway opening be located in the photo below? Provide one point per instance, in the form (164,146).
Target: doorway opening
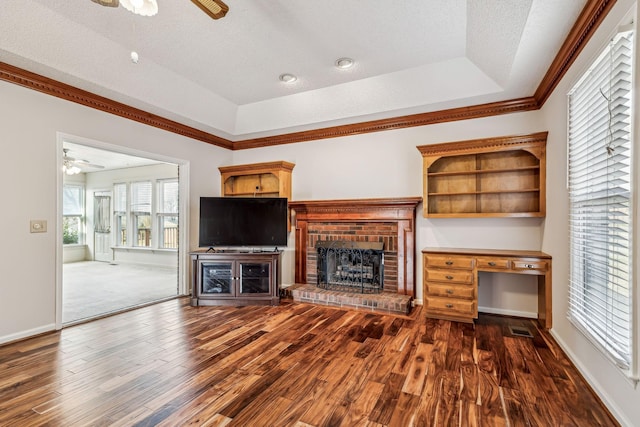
(122,222)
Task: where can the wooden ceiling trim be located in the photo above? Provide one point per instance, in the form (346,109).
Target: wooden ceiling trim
(420,119)
(61,90)
(585,26)
(587,23)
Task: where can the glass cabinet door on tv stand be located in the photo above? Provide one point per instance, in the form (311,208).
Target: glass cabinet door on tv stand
(254,278)
(235,278)
(217,278)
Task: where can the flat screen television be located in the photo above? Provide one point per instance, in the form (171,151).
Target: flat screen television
(243,221)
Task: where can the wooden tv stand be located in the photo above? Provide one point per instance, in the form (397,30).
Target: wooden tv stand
(231,277)
(450,279)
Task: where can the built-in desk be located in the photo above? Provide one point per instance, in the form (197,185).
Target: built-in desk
(450,279)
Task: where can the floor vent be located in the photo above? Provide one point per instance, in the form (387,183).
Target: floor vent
(520,331)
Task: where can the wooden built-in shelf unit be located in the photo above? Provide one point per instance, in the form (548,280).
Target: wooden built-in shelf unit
(271,179)
(490,177)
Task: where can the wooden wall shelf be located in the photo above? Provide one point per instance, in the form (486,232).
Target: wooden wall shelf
(489,177)
(271,179)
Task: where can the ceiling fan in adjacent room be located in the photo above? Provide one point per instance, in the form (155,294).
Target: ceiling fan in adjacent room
(214,8)
(72,166)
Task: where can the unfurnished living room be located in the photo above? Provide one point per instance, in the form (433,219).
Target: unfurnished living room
(339,213)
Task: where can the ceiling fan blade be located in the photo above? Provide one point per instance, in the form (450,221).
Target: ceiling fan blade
(85,164)
(214,8)
(108,3)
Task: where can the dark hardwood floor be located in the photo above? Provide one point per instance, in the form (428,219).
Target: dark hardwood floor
(291,365)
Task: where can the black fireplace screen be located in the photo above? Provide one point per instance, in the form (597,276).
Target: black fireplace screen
(350,266)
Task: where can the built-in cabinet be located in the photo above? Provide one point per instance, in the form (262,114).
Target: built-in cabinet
(270,179)
(451,279)
(235,278)
(489,177)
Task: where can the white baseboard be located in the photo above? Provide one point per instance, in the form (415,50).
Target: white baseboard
(491,310)
(26,334)
(595,385)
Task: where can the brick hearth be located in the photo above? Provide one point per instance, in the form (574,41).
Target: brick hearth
(387,302)
(390,221)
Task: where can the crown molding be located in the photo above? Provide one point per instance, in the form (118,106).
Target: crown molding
(61,90)
(585,26)
(421,119)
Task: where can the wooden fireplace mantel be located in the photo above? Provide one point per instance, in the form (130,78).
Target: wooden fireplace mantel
(401,211)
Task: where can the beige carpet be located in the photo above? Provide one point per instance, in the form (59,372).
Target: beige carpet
(92,288)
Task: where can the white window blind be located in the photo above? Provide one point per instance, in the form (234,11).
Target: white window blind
(168,196)
(120,213)
(599,179)
(141,196)
(72,200)
(120,197)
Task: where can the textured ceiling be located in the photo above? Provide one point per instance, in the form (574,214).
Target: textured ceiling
(221,76)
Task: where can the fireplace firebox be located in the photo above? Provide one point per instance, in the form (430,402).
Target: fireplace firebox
(350,266)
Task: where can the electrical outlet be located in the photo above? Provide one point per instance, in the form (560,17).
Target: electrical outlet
(38,226)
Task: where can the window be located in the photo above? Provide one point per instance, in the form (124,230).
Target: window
(167,212)
(151,210)
(141,213)
(600,217)
(72,214)
(120,213)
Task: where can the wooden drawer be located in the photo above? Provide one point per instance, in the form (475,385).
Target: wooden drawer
(535,266)
(453,276)
(493,263)
(451,307)
(451,291)
(446,261)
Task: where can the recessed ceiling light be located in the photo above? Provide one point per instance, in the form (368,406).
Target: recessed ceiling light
(287,78)
(344,63)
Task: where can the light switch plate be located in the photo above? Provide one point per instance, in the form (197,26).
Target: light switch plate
(38,226)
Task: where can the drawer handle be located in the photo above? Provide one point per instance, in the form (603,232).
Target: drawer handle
(529,265)
(449,305)
(449,291)
(449,262)
(449,277)
(492,264)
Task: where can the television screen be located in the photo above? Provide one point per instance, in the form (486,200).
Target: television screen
(243,221)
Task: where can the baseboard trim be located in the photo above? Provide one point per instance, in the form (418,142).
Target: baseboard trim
(503,312)
(595,386)
(19,336)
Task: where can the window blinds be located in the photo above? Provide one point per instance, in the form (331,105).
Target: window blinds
(120,198)
(168,200)
(141,197)
(72,200)
(599,180)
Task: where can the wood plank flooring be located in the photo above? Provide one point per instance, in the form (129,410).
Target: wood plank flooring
(292,365)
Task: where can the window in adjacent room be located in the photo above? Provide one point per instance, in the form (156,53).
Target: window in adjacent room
(72,214)
(141,213)
(600,217)
(120,213)
(167,212)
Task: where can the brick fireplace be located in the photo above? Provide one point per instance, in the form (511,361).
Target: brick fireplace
(388,221)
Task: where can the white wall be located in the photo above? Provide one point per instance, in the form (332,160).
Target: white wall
(388,164)
(29,122)
(620,394)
